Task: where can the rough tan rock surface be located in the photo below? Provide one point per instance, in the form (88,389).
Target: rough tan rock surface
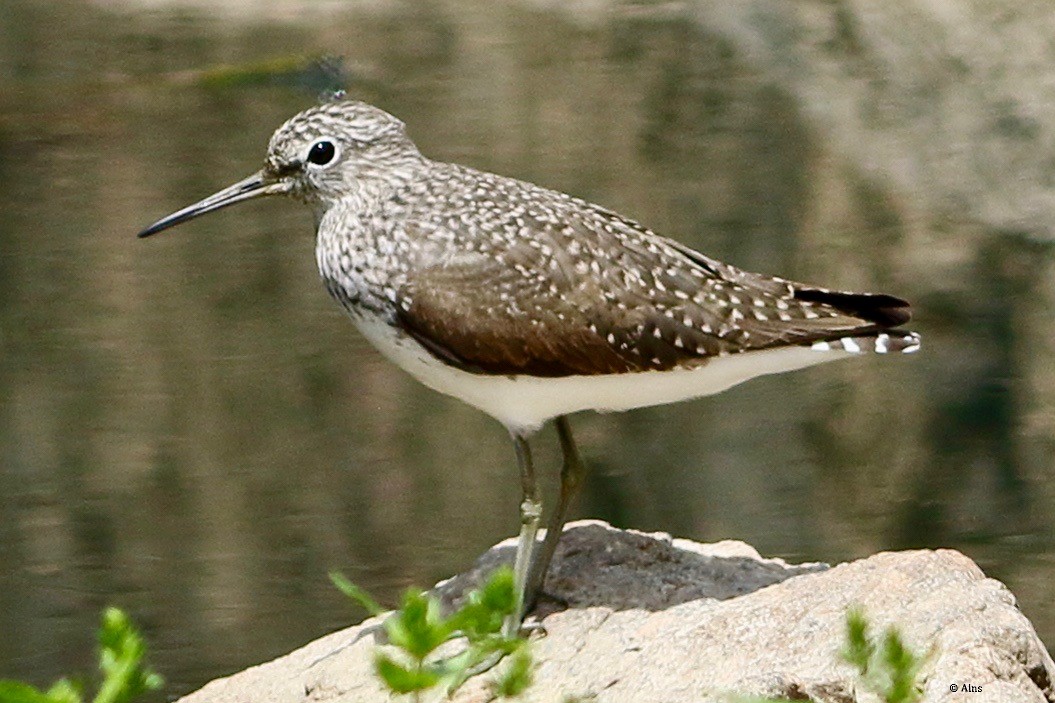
(655,619)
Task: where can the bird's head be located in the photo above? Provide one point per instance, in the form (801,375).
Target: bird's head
(328,152)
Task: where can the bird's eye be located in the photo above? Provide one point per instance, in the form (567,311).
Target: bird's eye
(322,152)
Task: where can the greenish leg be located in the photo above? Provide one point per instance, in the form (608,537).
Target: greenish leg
(572,473)
(530,516)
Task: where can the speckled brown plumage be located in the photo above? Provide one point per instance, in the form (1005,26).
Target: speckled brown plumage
(598,293)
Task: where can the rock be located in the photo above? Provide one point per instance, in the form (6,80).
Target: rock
(649,618)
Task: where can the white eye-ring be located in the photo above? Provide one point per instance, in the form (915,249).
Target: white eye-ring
(323,152)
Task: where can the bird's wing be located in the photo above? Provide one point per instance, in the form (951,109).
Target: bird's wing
(582,291)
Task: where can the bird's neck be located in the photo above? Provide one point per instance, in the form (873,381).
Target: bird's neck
(358,253)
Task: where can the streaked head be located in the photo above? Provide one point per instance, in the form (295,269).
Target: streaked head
(319,156)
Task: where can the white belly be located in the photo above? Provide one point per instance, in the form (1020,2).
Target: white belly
(524,403)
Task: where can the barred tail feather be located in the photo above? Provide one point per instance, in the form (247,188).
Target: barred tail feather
(889,342)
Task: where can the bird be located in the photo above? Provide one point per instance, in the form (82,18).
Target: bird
(531,304)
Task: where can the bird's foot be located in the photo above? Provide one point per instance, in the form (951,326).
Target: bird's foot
(547,603)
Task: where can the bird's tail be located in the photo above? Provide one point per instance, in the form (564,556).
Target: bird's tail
(884,342)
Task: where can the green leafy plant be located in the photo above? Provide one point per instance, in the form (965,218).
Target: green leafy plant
(886,666)
(417,630)
(125,677)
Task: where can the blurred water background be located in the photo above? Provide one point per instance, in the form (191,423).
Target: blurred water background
(190,429)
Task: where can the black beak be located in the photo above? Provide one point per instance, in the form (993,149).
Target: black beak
(253,187)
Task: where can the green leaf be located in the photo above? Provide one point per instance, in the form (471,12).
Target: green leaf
(888,669)
(517,676)
(859,650)
(485,609)
(121,654)
(356,593)
(900,667)
(499,593)
(401,679)
(475,620)
(18,692)
(418,628)
(63,691)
